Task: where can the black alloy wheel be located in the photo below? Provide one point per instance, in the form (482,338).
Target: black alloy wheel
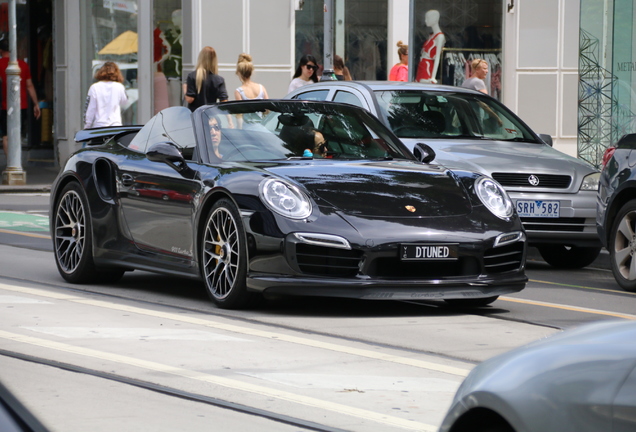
(224,256)
(72,239)
(622,247)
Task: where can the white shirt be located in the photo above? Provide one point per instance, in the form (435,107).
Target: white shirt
(296,83)
(103,104)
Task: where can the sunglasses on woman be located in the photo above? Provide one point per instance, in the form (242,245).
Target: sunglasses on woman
(312,67)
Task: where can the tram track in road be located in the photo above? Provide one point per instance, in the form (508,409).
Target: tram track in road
(174,392)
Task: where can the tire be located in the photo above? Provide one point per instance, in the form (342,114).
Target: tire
(224,257)
(622,247)
(73,241)
(568,257)
(471,303)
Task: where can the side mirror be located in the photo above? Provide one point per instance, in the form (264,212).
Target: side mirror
(424,153)
(546,139)
(167,153)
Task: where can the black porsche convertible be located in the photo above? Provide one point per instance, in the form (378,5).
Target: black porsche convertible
(287,198)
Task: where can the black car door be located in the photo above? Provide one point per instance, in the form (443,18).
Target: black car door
(157,199)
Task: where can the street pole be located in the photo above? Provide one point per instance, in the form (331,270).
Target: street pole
(14,175)
(327,71)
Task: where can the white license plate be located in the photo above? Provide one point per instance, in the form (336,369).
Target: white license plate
(538,208)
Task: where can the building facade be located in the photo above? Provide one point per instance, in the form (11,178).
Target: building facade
(532,47)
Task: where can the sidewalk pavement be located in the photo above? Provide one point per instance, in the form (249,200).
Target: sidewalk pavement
(40,169)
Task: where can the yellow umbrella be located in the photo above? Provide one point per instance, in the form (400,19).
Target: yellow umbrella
(125,43)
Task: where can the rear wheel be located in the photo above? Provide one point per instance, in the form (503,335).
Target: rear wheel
(622,247)
(72,239)
(469,303)
(224,257)
(569,257)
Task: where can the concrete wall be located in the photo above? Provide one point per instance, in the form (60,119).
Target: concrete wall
(541,46)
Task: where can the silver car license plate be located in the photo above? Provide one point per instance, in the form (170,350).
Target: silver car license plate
(538,208)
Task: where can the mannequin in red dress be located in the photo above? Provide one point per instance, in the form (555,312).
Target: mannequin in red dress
(431,50)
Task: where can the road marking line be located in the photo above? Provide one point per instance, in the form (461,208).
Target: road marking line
(582,287)
(248,331)
(570,308)
(26,234)
(224,382)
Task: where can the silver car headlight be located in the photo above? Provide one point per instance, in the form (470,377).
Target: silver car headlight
(494,197)
(591,182)
(285,199)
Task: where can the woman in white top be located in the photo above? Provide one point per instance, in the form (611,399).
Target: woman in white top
(105,98)
(249,89)
(306,73)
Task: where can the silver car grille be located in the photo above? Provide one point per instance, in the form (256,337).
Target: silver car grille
(530,180)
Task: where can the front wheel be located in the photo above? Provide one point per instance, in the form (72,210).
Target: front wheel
(568,257)
(224,257)
(622,247)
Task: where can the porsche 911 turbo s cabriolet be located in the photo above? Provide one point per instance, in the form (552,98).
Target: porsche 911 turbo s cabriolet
(283,198)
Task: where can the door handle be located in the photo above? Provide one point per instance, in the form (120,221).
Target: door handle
(127,180)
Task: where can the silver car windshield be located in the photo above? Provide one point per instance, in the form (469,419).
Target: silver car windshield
(447,115)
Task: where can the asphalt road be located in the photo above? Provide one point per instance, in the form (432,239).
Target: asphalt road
(153,352)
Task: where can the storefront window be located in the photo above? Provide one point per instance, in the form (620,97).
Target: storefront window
(607,75)
(464,30)
(360,37)
(167,50)
(111,30)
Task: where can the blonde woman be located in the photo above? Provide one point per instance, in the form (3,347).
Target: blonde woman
(204,86)
(248,89)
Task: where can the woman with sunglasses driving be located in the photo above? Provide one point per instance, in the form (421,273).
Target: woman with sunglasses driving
(305,73)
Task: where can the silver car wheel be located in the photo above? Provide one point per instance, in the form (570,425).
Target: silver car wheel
(625,246)
(70,231)
(221,253)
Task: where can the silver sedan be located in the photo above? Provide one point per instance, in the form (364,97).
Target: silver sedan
(554,194)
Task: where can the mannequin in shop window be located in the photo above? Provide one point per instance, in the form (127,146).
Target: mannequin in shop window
(171,65)
(431,50)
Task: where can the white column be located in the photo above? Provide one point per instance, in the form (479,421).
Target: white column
(398,29)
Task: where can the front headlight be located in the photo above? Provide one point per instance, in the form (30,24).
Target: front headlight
(591,182)
(285,199)
(494,197)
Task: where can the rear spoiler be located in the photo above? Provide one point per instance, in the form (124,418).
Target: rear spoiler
(98,136)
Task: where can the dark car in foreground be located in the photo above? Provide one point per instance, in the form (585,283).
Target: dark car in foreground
(283,197)
(554,194)
(616,210)
(580,380)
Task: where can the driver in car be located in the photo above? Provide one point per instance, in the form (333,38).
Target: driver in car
(215,136)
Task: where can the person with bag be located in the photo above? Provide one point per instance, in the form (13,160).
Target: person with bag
(204,86)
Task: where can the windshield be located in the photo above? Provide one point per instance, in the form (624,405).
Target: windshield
(274,130)
(430,114)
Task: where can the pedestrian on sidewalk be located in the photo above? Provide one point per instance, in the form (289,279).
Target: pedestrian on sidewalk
(249,89)
(479,69)
(204,85)
(26,85)
(400,71)
(306,73)
(105,97)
